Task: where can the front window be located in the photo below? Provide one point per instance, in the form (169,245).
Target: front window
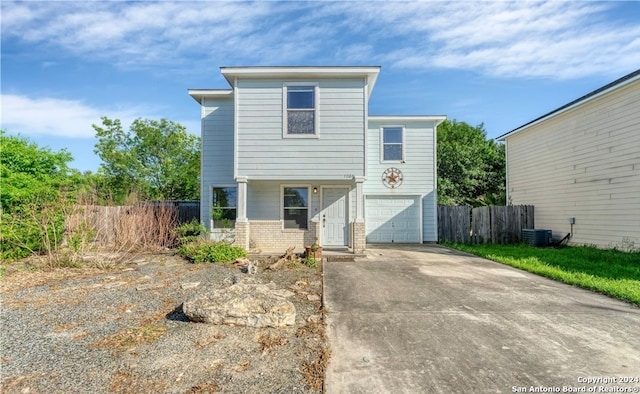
(223,207)
(392,144)
(301,110)
(295,207)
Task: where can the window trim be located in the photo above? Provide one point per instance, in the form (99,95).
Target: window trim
(211,197)
(282,208)
(382,144)
(285,110)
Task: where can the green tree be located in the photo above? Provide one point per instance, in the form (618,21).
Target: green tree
(31,174)
(471,168)
(36,183)
(154,160)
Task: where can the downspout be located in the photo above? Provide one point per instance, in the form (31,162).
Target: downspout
(435,178)
(366,124)
(235,128)
(202,185)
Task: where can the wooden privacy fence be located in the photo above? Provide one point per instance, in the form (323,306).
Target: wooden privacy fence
(491,224)
(141,224)
(454,224)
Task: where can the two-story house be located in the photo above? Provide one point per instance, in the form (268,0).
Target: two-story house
(291,155)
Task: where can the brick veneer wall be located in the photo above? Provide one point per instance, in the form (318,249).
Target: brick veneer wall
(242,235)
(358,237)
(269,234)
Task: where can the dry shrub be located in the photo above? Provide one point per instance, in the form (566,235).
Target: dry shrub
(148,226)
(314,371)
(268,341)
(64,231)
(121,232)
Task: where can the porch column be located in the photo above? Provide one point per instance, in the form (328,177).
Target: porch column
(242,199)
(242,235)
(359,199)
(359,241)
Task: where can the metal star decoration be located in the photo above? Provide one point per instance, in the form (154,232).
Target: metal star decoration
(392,177)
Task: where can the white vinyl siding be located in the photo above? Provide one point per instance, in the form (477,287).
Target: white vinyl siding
(264,200)
(583,164)
(217,150)
(338,152)
(418,168)
(430,217)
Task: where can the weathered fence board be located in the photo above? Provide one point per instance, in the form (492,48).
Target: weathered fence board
(490,224)
(454,223)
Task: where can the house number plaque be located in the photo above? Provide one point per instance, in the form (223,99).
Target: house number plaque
(392,178)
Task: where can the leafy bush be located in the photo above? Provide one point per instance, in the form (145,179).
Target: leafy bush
(210,252)
(37,186)
(309,261)
(191,231)
(32,229)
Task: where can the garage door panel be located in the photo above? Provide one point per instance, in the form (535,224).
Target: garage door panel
(393,219)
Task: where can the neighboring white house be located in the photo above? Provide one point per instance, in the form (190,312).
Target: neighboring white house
(580,164)
(291,154)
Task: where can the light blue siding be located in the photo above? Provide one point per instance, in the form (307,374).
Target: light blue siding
(217,151)
(263,201)
(337,153)
(418,168)
(430,217)
(264,198)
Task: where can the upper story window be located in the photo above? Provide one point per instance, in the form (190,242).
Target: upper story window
(301,110)
(392,143)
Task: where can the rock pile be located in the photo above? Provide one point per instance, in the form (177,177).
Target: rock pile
(242,304)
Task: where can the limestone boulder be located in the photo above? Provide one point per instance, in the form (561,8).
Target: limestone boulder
(242,304)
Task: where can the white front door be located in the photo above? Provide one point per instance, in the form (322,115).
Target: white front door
(334,216)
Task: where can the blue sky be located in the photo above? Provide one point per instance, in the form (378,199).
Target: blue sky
(66,64)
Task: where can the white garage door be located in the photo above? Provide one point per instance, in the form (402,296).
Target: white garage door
(393,219)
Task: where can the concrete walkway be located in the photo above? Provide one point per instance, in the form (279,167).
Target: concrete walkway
(424,319)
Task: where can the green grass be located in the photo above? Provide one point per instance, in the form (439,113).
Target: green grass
(610,272)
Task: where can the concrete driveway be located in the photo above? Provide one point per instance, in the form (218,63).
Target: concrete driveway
(425,319)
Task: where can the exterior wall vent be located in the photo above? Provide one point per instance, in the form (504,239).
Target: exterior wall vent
(536,237)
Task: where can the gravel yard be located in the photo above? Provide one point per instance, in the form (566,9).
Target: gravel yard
(122,330)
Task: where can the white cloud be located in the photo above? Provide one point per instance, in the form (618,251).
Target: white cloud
(560,39)
(54,116)
(69,118)
(551,39)
(148,34)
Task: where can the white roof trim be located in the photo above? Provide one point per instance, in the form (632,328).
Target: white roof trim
(371,72)
(409,118)
(199,94)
